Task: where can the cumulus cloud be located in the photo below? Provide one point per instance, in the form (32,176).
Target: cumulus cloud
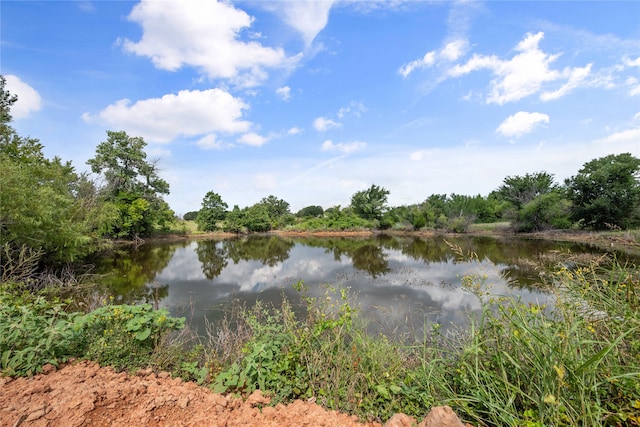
(204,34)
(294,131)
(284,93)
(252,139)
(323,124)
(521,123)
(189,113)
(29,99)
(306,17)
(346,148)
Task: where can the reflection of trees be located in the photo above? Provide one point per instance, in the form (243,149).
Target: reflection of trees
(270,250)
(366,253)
(126,272)
(371,259)
(212,255)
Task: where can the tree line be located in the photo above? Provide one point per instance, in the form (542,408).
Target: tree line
(603,195)
(49,209)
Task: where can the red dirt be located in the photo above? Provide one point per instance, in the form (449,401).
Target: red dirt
(84,394)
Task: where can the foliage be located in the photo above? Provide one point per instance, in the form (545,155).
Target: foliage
(606,192)
(213,210)
(310,211)
(44,204)
(34,332)
(334,218)
(520,190)
(371,203)
(124,336)
(277,211)
(256,218)
(547,211)
(132,184)
(190,216)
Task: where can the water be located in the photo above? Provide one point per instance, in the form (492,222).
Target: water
(400,284)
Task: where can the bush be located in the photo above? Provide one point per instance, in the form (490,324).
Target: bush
(125,336)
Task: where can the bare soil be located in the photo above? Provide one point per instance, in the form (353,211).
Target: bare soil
(84,394)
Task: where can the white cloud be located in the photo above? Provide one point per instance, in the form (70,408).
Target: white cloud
(576,76)
(519,77)
(253,139)
(294,131)
(455,49)
(284,93)
(189,113)
(521,123)
(211,142)
(635,86)
(306,17)
(29,99)
(427,60)
(524,74)
(451,51)
(203,34)
(322,124)
(354,108)
(345,148)
(631,62)
(630,135)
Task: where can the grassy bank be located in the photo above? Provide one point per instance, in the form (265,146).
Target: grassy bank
(577,363)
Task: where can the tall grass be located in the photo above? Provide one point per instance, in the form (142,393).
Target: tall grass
(577,363)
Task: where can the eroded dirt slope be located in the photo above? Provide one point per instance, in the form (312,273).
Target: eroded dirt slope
(83,394)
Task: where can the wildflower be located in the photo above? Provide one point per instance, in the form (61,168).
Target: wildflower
(550,399)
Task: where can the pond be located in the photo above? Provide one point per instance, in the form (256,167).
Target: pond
(400,284)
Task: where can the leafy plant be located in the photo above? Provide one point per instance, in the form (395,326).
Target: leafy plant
(124,336)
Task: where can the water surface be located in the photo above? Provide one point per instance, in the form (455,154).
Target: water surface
(400,284)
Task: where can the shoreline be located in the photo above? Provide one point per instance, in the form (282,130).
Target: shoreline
(627,241)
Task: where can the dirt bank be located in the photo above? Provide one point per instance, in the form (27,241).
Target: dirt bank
(83,394)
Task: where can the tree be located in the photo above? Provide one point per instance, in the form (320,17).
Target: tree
(190,216)
(132,184)
(548,211)
(371,203)
(606,192)
(277,210)
(44,205)
(213,210)
(312,211)
(520,190)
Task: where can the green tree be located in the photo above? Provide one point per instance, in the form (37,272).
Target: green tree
(132,184)
(370,203)
(256,218)
(547,211)
(520,190)
(44,204)
(312,211)
(606,192)
(212,212)
(190,216)
(277,210)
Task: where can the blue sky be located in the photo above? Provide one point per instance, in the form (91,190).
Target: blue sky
(311,101)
